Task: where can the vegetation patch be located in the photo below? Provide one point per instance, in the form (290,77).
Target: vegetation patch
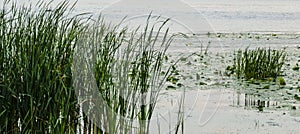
(259,63)
(36,53)
(41,50)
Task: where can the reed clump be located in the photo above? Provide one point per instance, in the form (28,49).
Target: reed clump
(36,50)
(48,57)
(259,63)
(127,66)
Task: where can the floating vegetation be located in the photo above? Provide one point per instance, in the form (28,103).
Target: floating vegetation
(296,67)
(281,81)
(174,77)
(297,97)
(202,83)
(259,63)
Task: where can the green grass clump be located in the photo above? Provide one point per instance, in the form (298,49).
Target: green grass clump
(260,63)
(128,67)
(47,58)
(36,50)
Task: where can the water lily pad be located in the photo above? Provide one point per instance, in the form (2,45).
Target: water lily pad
(296,68)
(266,87)
(170,87)
(296,97)
(202,83)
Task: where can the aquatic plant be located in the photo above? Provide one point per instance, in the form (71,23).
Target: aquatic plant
(127,66)
(260,63)
(281,81)
(180,115)
(38,72)
(36,50)
(296,67)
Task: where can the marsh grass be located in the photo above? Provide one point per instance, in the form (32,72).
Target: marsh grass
(46,55)
(127,67)
(36,49)
(259,63)
(180,116)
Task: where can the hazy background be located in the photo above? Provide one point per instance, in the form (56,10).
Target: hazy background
(221,15)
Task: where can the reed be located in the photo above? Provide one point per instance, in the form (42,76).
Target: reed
(260,63)
(146,52)
(127,67)
(44,50)
(36,49)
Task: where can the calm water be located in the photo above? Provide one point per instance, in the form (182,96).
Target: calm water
(205,15)
(213,16)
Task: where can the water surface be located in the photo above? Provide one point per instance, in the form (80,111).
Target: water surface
(222,15)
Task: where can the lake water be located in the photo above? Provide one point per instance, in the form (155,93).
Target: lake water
(215,110)
(221,15)
(205,15)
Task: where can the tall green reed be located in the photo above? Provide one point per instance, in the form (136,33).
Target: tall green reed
(36,50)
(127,67)
(37,92)
(94,60)
(259,63)
(146,54)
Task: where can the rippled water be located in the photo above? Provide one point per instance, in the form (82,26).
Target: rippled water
(221,15)
(251,15)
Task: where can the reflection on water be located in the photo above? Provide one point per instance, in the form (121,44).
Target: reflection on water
(249,101)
